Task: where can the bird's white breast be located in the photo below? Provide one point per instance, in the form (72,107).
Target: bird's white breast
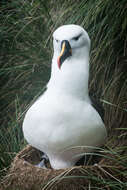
(55,124)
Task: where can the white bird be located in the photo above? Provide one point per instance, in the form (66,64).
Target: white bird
(63,123)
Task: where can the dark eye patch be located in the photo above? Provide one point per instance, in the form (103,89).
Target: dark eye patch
(57,40)
(77,37)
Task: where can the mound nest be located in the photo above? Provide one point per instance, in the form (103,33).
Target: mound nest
(24,175)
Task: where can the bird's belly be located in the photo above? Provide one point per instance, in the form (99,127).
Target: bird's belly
(52,128)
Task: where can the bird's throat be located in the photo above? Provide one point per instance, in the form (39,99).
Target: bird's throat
(72,79)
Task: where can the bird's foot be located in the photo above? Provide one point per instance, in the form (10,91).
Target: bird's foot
(43,162)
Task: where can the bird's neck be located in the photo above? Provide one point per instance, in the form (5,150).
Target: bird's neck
(72,78)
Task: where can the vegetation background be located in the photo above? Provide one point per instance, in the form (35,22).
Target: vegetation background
(26,29)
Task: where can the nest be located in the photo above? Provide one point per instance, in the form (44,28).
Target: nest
(24,175)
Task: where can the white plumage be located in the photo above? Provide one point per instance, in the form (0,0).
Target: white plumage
(63,119)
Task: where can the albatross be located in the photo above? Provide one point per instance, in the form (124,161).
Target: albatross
(62,122)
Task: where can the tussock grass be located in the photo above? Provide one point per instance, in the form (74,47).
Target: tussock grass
(24,68)
(25,38)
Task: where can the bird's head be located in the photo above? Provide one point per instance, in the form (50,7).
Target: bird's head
(70,42)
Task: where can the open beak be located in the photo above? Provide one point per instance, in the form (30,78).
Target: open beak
(66,52)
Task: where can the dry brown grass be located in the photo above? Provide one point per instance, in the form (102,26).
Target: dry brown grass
(24,175)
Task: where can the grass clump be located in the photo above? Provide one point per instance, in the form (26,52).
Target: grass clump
(24,67)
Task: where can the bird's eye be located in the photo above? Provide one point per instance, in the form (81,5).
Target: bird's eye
(77,37)
(57,40)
